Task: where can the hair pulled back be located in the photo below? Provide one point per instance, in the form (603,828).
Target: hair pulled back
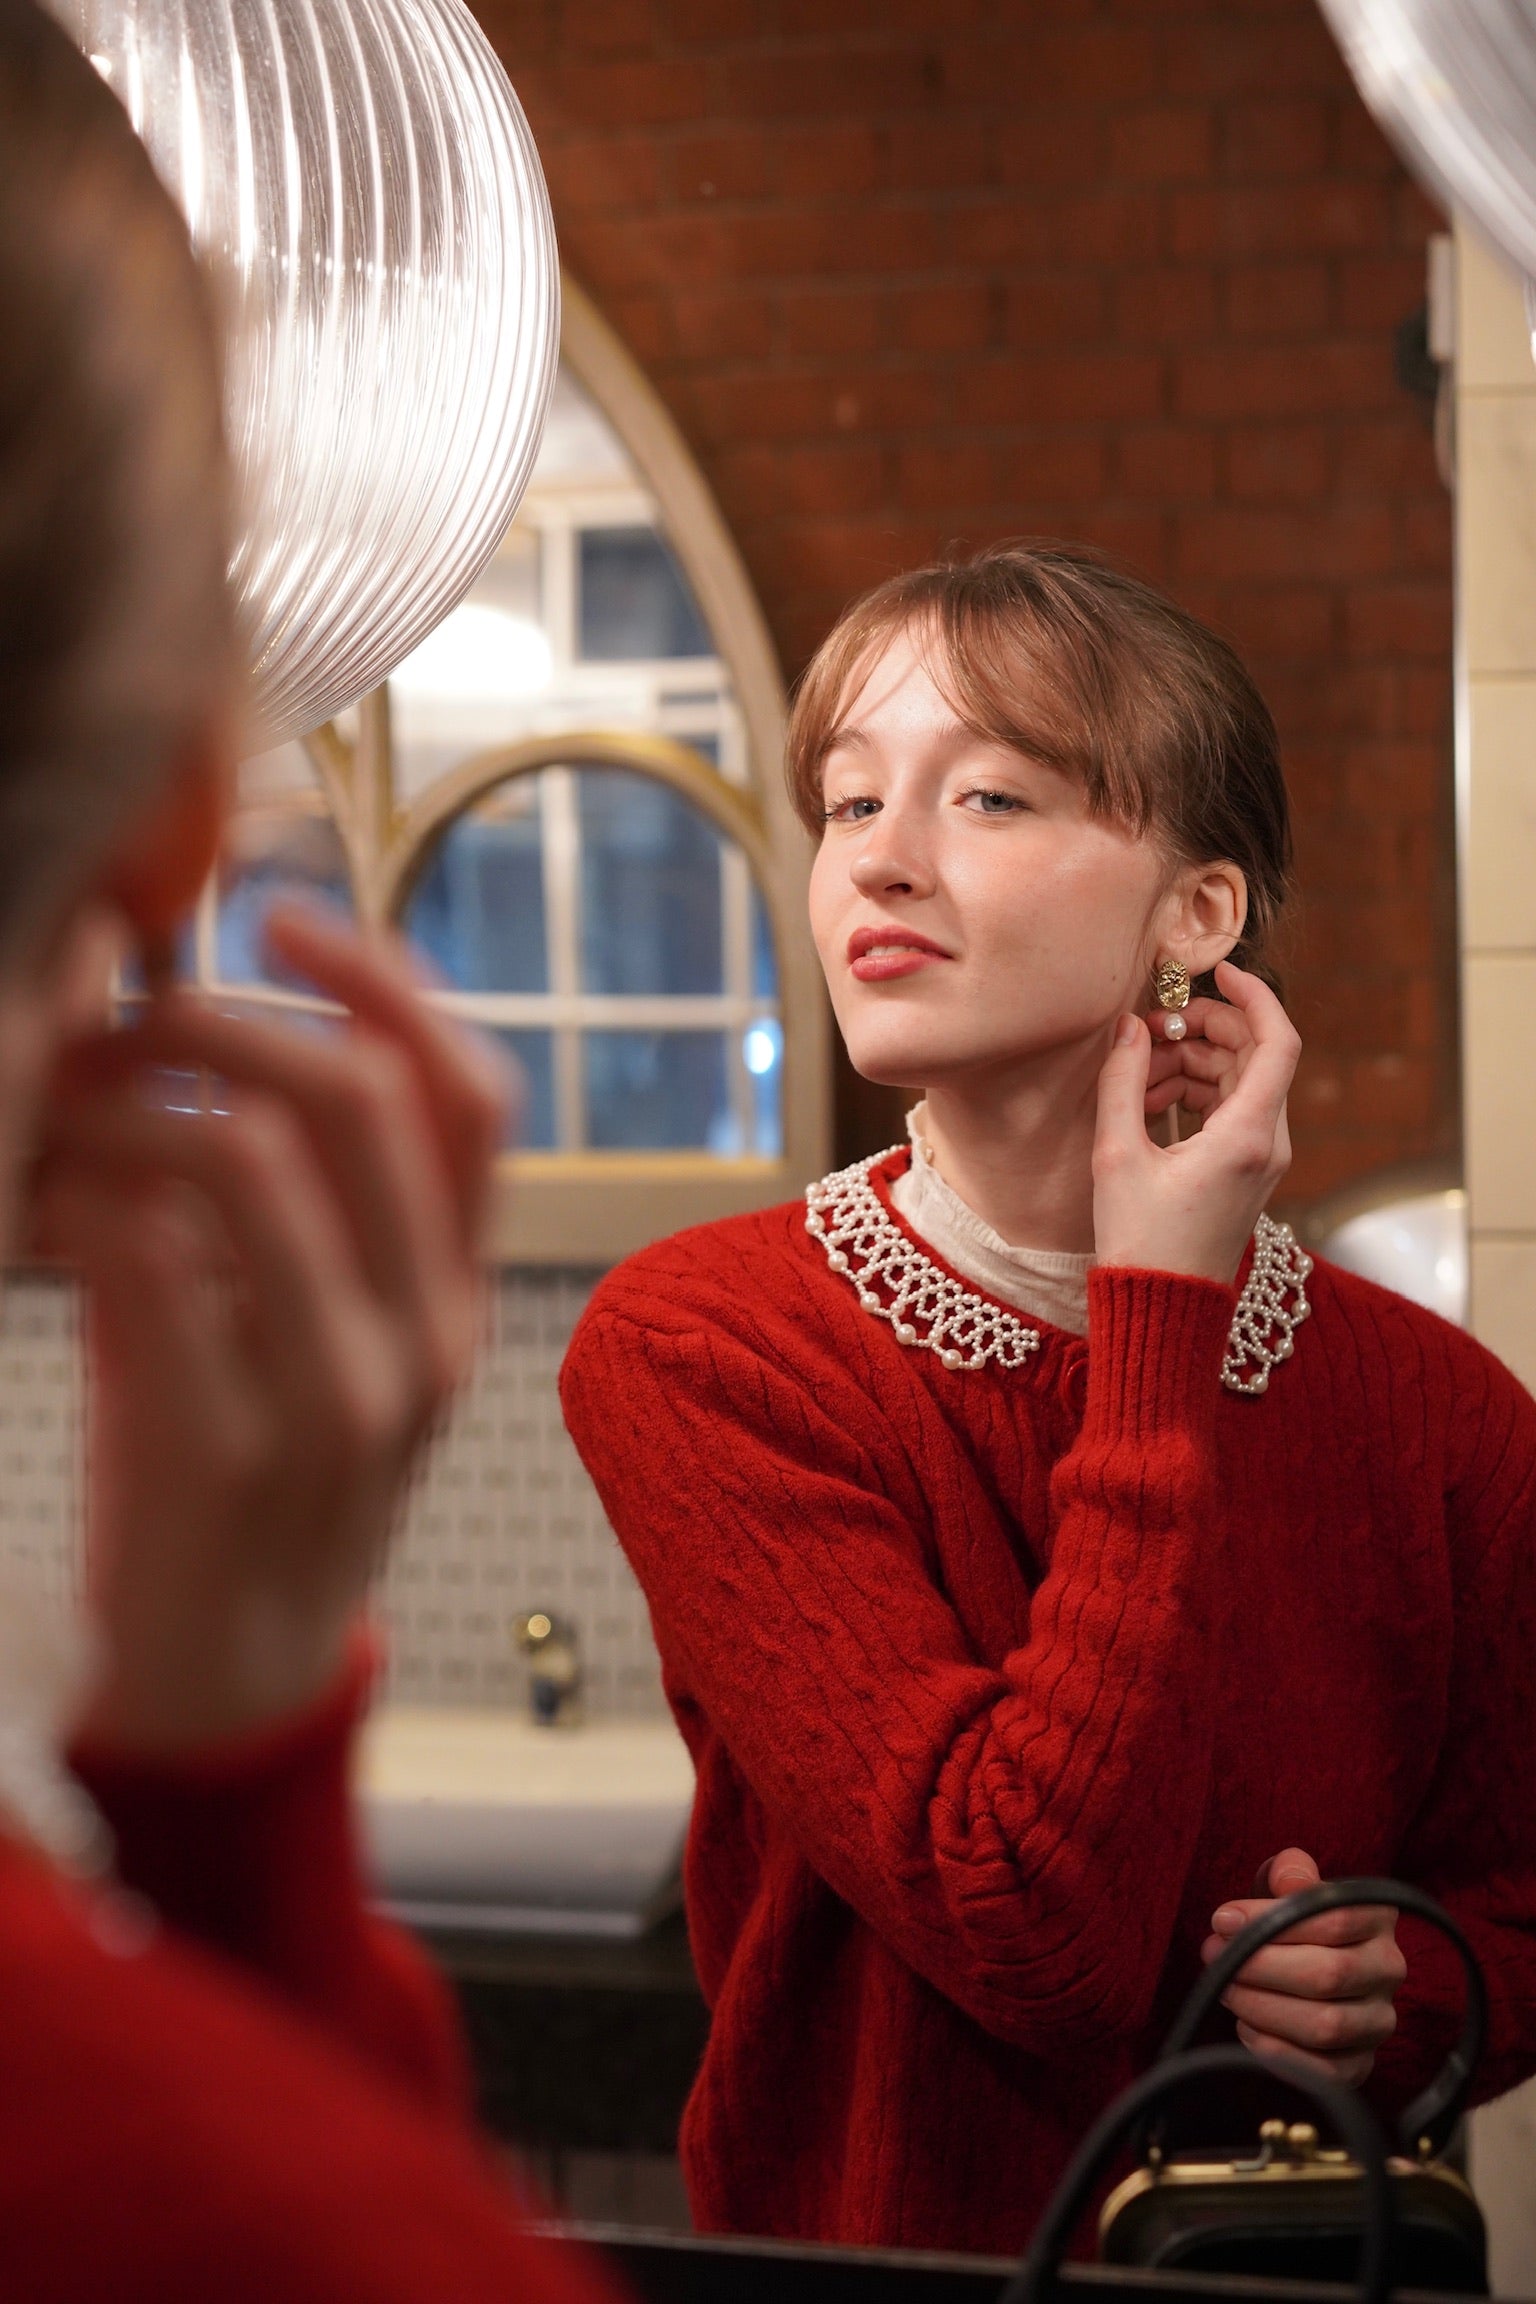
(1057,653)
(115,622)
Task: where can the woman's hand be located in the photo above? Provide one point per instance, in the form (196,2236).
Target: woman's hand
(284,1293)
(1191,1207)
(1322,1993)
(1201,1070)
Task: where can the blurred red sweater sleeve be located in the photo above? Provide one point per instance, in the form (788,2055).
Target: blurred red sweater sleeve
(251,1849)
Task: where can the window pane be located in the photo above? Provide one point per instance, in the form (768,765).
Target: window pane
(762,1052)
(653,1091)
(650,888)
(765,970)
(478,908)
(475,679)
(534,1129)
(635,601)
(269,854)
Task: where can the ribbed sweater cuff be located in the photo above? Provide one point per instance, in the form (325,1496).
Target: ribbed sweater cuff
(250,1763)
(1156,1341)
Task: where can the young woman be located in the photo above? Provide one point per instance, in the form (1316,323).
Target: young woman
(1038,1544)
(220,2075)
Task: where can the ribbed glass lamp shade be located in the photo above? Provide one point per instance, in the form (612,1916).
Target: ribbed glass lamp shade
(362,175)
(1453,82)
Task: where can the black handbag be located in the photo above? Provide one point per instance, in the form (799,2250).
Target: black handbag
(1289,2207)
(1035,2282)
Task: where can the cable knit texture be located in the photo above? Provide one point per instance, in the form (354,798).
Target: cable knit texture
(998,1681)
(257,2093)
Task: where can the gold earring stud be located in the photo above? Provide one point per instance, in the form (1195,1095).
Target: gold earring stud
(1171,984)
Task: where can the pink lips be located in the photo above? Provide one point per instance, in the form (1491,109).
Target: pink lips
(877,955)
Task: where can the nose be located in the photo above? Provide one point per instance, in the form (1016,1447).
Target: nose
(894,860)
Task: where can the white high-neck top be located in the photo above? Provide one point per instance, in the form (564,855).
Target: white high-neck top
(1049,1284)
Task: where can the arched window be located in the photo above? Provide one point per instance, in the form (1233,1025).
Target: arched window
(569,797)
(595,917)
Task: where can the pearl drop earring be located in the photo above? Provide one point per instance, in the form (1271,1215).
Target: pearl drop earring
(1171,984)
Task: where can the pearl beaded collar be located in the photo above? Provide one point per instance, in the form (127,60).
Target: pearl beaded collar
(931,1311)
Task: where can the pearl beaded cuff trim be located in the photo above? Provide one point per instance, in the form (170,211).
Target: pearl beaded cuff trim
(1271,1308)
(933,1312)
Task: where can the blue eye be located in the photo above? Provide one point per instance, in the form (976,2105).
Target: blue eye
(851,811)
(993,803)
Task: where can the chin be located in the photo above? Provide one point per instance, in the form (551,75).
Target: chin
(897,1058)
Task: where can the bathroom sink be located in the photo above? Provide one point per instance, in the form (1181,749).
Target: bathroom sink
(481,1819)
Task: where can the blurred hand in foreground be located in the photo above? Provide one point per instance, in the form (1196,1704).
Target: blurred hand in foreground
(285,1293)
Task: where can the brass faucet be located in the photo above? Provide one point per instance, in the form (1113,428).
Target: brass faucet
(554,1676)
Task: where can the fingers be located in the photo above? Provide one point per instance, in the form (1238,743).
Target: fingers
(1354,1924)
(1192,1095)
(267,1368)
(145,1259)
(1350,2071)
(1318,2027)
(1313,1971)
(358,1099)
(1191,1074)
(1271,1067)
(1325,1990)
(1286,1874)
(1199,1071)
(467,1089)
(1331,1929)
(1123,1090)
(1196,1059)
(1213,1020)
(300,1287)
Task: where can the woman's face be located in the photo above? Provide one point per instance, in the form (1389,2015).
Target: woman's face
(970,913)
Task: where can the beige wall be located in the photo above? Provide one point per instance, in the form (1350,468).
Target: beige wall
(1495,447)
(1496,773)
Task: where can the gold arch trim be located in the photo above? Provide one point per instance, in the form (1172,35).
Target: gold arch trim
(733,811)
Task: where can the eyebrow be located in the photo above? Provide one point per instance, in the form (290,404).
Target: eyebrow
(852,738)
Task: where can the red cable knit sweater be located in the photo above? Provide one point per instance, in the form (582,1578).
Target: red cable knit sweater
(258,2096)
(999,1681)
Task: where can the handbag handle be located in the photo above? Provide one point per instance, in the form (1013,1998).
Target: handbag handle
(1356,2126)
(1431,2117)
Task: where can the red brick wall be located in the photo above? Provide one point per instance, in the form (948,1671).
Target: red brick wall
(913,273)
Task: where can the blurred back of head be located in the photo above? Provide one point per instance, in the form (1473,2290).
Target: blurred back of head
(116,644)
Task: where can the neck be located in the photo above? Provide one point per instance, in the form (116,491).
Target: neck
(1019,1150)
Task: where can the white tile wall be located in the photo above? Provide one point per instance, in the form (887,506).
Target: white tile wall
(505,1519)
(502,1519)
(41,1435)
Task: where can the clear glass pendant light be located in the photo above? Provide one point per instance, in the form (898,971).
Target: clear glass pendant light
(1453,82)
(362,178)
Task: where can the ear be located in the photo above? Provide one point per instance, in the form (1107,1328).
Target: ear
(154,869)
(1203,915)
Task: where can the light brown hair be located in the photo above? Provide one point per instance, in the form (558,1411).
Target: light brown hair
(1060,655)
(115,624)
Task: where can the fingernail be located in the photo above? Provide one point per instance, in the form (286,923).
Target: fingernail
(1125,1031)
(1228,1920)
